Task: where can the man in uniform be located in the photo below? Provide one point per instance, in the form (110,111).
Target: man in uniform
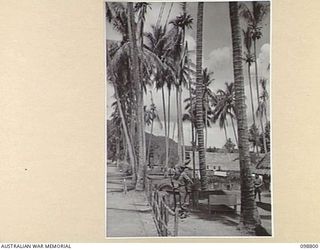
(257,186)
(184,182)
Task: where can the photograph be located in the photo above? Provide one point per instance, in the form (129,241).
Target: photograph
(188,119)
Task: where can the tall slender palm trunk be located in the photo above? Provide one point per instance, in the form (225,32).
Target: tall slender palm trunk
(178,127)
(183,150)
(136,79)
(199,99)
(149,144)
(168,134)
(206,123)
(249,213)
(192,133)
(258,92)
(252,105)
(165,128)
(251,95)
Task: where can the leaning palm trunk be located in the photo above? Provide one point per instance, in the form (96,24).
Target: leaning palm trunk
(130,147)
(199,99)
(137,81)
(249,213)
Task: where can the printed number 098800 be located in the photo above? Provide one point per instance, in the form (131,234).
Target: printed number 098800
(308,245)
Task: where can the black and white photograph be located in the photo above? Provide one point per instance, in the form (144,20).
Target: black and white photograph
(188,119)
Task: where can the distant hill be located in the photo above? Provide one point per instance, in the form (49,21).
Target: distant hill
(227,161)
(157,147)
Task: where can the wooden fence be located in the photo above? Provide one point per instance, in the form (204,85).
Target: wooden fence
(162,214)
(166,219)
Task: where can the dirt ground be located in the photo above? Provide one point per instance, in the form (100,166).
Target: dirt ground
(129,215)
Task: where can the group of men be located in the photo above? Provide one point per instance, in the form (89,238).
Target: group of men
(183,178)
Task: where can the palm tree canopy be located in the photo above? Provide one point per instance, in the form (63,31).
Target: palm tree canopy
(224,104)
(254,17)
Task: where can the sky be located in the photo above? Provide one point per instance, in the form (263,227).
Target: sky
(217,57)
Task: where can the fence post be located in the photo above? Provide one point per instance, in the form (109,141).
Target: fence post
(176,219)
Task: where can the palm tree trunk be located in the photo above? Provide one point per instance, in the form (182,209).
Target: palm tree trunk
(199,98)
(252,104)
(117,152)
(249,213)
(125,149)
(173,130)
(129,141)
(263,135)
(165,128)
(258,92)
(183,150)
(137,81)
(206,123)
(251,96)
(149,143)
(192,133)
(132,156)
(178,127)
(168,134)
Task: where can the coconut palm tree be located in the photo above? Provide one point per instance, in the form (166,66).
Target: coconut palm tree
(136,78)
(151,116)
(249,213)
(129,142)
(159,43)
(224,102)
(262,108)
(119,76)
(207,96)
(179,55)
(133,68)
(254,18)
(249,58)
(199,98)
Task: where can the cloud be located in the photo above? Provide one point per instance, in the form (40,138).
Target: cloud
(219,57)
(219,62)
(263,61)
